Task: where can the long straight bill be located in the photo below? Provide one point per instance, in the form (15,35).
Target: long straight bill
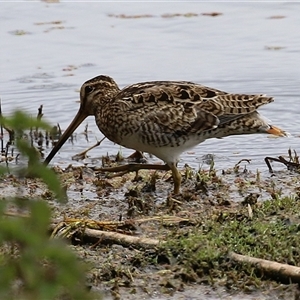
(68,132)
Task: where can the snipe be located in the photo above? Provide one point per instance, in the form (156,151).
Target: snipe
(166,118)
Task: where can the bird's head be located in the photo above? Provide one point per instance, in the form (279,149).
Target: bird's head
(93,93)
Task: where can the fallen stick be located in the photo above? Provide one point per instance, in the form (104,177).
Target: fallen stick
(286,273)
(80,228)
(122,239)
(123,169)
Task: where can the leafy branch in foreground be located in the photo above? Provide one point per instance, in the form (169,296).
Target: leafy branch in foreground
(32,266)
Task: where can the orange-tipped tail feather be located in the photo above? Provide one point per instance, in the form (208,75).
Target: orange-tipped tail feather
(276,131)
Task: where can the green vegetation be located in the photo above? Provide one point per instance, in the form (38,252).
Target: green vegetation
(33,266)
(272,233)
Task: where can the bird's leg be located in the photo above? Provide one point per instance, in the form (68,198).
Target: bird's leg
(176,177)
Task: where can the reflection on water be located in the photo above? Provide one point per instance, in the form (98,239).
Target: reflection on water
(51,49)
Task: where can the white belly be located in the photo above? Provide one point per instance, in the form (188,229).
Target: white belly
(165,153)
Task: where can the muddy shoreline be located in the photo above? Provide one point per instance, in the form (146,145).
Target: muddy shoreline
(209,198)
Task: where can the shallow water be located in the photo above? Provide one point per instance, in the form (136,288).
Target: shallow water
(49,50)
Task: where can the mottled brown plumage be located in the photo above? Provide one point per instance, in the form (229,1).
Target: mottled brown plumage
(166,118)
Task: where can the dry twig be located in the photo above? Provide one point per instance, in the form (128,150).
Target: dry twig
(289,164)
(82,154)
(284,272)
(132,168)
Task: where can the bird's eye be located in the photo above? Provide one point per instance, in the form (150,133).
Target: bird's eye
(88,89)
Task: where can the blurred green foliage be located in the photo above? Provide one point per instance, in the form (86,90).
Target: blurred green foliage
(33,266)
